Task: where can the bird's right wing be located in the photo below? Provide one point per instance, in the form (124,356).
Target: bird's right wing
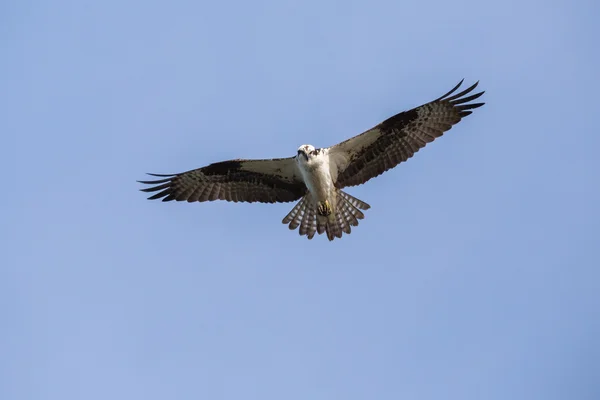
(265,181)
(398,138)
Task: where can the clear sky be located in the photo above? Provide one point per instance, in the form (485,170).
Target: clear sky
(475,274)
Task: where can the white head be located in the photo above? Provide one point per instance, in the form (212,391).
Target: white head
(305,152)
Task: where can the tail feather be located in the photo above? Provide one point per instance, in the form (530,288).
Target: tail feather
(305,221)
(351,213)
(295,216)
(334,227)
(344,223)
(321,225)
(308,225)
(312,229)
(292,214)
(345,216)
(354,201)
(297,219)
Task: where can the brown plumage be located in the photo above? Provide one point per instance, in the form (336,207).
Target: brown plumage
(264,181)
(398,138)
(348,163)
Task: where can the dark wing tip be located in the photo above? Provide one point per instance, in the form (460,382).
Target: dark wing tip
(458,97)
(459,100)
(451,91)
(466,99)
(159,184)
(167,176)
(461,94)
(154,182)
(160,175)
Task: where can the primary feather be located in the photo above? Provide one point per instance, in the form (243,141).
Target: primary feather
(316,176)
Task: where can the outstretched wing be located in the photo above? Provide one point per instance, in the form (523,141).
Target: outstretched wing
(265,181)
(398,138)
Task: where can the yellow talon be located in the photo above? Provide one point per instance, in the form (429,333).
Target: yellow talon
(324,208)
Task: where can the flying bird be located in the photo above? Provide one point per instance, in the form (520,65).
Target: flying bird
(316,176)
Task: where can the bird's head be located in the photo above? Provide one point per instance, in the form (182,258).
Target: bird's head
(306,151)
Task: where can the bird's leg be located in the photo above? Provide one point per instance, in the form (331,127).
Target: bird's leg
(324,208)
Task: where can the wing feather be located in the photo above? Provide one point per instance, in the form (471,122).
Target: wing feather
(398,138)
(265,181)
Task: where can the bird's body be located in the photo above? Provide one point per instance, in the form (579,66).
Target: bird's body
(319,207)
(316,177)
(315,169)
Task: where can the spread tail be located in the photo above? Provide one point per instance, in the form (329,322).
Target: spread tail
(319,217)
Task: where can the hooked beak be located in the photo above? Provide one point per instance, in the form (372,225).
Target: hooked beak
(303,153)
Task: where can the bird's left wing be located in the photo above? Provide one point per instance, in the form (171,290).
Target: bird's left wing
(398,138)
(265,181)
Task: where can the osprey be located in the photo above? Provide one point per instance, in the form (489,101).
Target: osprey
(316,177)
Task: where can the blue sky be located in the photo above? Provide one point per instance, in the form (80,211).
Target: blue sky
(475,274)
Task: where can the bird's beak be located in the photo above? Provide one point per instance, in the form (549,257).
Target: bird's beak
(303,153)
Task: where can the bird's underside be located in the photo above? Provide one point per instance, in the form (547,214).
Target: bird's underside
(316,177)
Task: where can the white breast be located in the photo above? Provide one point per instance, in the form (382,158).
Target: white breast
(317,175)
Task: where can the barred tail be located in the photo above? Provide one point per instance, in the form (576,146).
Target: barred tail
(345,215)
(303,215)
